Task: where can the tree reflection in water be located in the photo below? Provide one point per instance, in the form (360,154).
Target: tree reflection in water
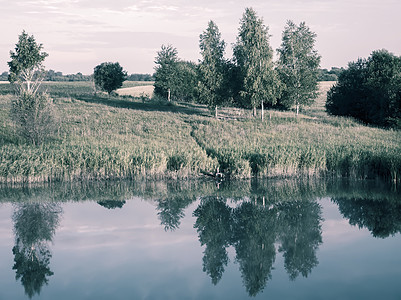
(111,204)
(34,228)
(300,236)
(171,210)
(254,236)
(254,229)
(257,220)
(381,217)
(214,225)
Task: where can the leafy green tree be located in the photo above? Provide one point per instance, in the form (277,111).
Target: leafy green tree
(109,76)
(369,90)
(166,71)
(212,85)
(298,66)
(26,65)
(32,111)
(186,81)
(254,57)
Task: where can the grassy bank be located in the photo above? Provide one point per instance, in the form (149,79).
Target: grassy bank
(122,137)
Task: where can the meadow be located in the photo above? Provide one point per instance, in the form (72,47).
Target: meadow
(130,136)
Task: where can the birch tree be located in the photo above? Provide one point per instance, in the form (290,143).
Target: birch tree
(254,58)
(32,111)
(298,66)
(26,65)
(166,71)
(212,67)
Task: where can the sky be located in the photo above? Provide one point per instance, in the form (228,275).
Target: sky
(80,34)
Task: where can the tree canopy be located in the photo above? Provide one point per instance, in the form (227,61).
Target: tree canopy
(298,66)
(212,68)
(109,76)
(369,90)
(26,65)
(165,71)
(254,58)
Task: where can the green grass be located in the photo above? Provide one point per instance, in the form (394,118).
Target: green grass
(121,137)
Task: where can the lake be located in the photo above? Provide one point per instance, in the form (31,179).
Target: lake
(272,239)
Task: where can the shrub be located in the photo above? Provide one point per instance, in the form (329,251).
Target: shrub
(369,90)
(34,116)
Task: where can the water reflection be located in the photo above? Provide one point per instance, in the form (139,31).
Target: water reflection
(300,235)
(214,226)
(34,227)
(253,229)
(171,210)
(381,217)
(111,204)
(257,220)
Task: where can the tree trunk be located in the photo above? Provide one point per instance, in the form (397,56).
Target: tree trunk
(168,95)
(263,112)
(254,111)
(215,112)
(297,109)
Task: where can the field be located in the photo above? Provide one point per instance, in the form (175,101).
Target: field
(101,137)
(137,91)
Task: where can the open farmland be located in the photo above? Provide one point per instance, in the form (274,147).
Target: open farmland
(137,91)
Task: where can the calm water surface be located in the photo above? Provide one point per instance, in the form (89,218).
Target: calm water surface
(194,240)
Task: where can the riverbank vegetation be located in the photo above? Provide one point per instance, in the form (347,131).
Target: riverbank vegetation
(369,90)
(103,137)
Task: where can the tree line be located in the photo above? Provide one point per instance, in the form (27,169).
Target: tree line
(52,75)
(250,79)
(324,75)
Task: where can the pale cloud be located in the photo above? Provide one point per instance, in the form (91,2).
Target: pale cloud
(346,30)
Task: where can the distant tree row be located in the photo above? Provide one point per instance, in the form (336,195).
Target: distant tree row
(140,77)
(332,75)
(369,90)
(251,79)
(4,76)
(52,75)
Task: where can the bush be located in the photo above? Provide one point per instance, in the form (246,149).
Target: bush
(34,116)
(369,90)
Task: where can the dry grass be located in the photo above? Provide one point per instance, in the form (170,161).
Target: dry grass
(119,137)
(137,91)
